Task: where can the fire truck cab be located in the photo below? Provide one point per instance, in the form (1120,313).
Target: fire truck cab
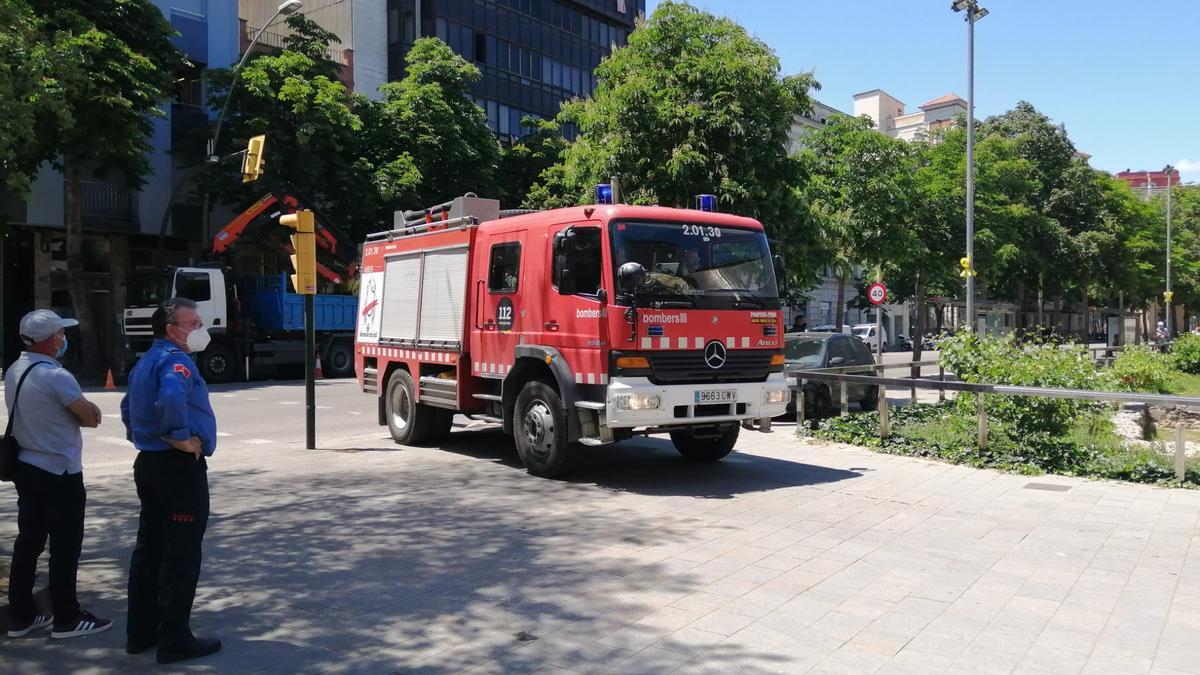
(572,327)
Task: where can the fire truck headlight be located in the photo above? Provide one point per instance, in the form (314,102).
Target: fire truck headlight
(637,401)
(774,396)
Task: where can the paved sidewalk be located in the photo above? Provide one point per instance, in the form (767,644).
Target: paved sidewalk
(789,557)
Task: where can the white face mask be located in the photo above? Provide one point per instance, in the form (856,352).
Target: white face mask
(198,339)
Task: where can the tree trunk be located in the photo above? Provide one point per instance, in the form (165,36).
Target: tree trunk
(841,302)
(89,350)
(1020,305)
(921,312)
(1041,300)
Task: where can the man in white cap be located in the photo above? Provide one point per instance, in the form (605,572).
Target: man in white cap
(46,413)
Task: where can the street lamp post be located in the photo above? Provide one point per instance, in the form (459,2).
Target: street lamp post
(285,8)
(974,13)
(1167,296)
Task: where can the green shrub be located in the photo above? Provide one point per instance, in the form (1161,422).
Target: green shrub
(1140,368)
(1185,353)
(1003,360)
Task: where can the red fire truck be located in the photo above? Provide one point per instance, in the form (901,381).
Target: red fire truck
(572,327)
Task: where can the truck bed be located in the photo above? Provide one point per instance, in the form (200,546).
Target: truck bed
(273,308)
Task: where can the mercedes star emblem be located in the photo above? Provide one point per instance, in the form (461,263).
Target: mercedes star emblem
(714,354)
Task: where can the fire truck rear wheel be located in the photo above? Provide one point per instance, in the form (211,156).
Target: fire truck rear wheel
(705,448)
(408,421)
(540,430)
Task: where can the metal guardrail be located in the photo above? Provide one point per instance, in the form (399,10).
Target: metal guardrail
(844,378)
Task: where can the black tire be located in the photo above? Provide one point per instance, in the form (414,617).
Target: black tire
(819,403)
(540,430)
(870,401)
(218,363)
(338,360)
(409,422)
(705,448)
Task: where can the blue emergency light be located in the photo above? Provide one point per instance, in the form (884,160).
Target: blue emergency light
(706,202)
(604,193)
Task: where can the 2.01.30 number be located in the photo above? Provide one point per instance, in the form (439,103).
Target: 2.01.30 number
(701,231)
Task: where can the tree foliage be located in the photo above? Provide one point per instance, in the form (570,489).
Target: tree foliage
(313,136)
(98,71)
(423,143)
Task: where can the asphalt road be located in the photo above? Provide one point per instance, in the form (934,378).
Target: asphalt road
(250,416)
(255,415)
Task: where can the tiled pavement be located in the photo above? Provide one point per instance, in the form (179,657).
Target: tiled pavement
(789,557)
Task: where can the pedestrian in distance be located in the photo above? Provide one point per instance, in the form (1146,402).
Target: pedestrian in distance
(170,421)
(46,409)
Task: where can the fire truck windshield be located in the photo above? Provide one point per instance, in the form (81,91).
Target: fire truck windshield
(699,264)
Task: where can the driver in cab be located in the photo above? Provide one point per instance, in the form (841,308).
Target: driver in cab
(681,280)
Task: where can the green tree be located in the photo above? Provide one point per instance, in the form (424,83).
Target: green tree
(426,142)
(114,65)
(692,104)
(859,190)
(313,136)
(30,93)
(523,163)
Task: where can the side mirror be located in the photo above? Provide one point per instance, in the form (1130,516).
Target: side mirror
(630,276)
(837,361)
(780,271)
(602,295)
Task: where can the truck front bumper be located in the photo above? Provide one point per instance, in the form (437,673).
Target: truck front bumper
(638,402)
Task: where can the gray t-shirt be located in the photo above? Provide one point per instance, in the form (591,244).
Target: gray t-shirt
(46,430)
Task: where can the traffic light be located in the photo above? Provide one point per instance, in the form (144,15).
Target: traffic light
(252,161)
(304,251)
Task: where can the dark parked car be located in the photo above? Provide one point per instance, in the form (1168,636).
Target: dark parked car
(809,351)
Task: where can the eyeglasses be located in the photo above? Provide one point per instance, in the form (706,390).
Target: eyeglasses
(191,324)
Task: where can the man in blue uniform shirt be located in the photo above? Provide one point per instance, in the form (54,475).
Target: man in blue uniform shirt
(169,420)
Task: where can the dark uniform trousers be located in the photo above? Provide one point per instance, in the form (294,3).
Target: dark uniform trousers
(173,488)
(48,505)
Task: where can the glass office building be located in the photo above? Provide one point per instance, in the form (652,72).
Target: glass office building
(532,54)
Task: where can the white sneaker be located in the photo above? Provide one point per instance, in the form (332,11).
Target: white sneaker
(40,621)
(86,624)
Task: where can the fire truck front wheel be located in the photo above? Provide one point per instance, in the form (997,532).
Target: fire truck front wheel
(707,446)
(408,421)
(540,430)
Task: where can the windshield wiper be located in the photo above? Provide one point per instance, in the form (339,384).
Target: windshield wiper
(747,302)
(673,304)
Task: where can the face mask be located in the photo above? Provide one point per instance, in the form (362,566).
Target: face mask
(63,349)
(198,339)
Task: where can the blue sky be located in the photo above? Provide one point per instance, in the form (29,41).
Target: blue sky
(1123,76)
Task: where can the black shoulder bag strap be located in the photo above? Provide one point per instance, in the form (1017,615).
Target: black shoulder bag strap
(17,397)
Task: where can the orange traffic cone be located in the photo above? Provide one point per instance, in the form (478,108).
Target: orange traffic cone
(317,374)
(108,381)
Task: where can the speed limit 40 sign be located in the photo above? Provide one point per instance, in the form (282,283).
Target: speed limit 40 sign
(877,293)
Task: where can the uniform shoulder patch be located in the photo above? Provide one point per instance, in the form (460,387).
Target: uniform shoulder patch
(182,370)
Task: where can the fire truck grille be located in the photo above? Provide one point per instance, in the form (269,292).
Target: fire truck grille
(688,367)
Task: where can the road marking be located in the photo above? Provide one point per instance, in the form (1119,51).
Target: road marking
(223,434)
(253,398)
(354,412)
(229,395)
(113,416)
(258,441)
(324,407)
(289,403)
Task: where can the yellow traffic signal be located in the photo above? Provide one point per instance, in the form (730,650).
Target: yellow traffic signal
(252,161)
(304,251)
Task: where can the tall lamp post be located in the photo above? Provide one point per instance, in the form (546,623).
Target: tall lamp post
(974,13)
(285,8)
(1167,296)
